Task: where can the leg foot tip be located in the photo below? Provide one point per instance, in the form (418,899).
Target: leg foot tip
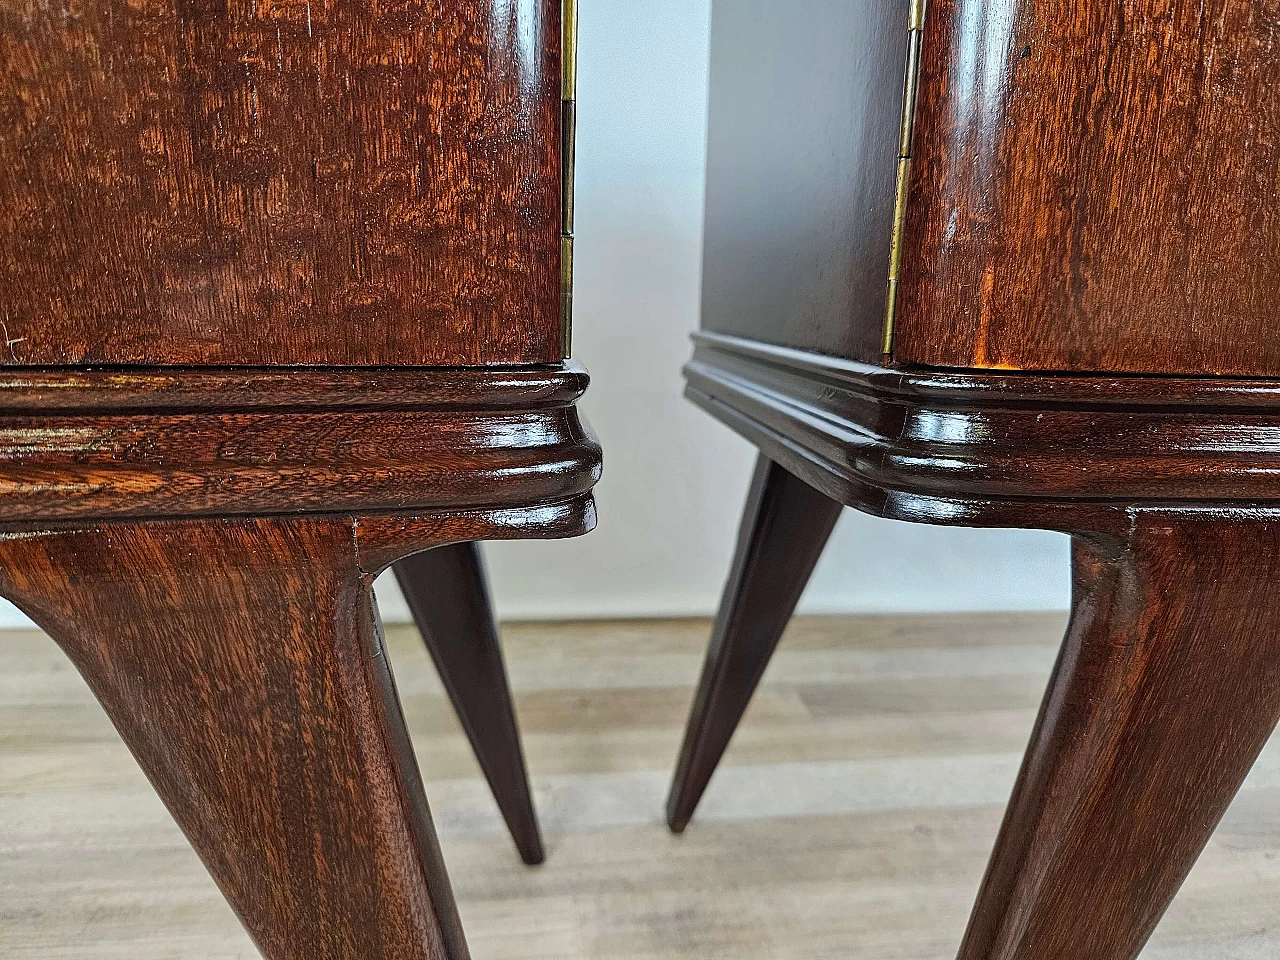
(532,853)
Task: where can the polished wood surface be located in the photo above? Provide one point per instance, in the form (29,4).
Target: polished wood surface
(308,440)
(785,525)
(1167,685)
(239,542)
(1090,188)
(242,663)
(221,226)
(850,820)
(1086,223)
(805,108)
(1093,189)
(448,594)
(296,183)
(1067,452)
(1166,690)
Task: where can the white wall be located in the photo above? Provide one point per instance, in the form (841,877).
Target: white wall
(675,479)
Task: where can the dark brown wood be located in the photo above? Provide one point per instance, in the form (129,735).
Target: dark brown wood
(1093,189)
(301,183)
(242,662)
(448,595)
(240,658)
(1089,191)
(785,525)
(993,449)
(1166,690)
(441,439)
(241,390)
(1168,684)
(293,198)
(805,108)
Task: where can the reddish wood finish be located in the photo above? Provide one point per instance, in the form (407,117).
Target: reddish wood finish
(448,594)
(1000,450)
(242,662)
(240,658)
(1166,690)
(447,439)
(1092,186)
(1093,189)
(785,525)
(1168,684)
(296,183)
(240,390)
(1091,192)
(330,189)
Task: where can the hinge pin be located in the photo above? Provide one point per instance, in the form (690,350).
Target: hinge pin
(915,38)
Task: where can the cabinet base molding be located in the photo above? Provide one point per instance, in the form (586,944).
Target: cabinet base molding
(1168,682)
(994,449)
(136,443)
(203,546)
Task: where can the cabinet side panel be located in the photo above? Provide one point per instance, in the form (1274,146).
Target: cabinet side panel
(1094,188)
(245,182)
(805,115)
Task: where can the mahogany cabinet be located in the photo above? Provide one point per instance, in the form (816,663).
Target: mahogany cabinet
(1014,263)
(284,296)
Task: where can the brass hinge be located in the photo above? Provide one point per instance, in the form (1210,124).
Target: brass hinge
(915,38)
(568,141)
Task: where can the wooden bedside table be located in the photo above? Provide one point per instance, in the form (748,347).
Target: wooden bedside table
(1037,290)
(285,299)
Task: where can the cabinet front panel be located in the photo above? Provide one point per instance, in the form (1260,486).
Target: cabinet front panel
(1095,187)
(804,130)
(362,182)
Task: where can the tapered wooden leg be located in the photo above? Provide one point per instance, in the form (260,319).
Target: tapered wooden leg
(448,595)
(243,665)
(1167,688)
(785,525)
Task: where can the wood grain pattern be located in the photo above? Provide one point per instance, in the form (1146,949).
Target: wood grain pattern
(1166,690)
(170,446)
(850,820)
(785,525)
(805,108)
(1168,683)
(993,449)
(287,183)
(1093,188)
(242,663)
(251,682)
(448,594)
(188,389)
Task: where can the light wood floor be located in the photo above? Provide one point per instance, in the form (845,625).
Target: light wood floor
(851,820)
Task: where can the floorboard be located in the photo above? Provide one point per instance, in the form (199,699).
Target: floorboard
(851,819)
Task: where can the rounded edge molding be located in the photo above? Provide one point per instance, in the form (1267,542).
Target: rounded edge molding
(993,449)
(218,443)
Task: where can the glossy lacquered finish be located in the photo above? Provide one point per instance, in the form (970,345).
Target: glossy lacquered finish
(210,576)
(1093,189)
(242,663)
(1166,690)
(805,109)
(131,445)
(281,304)
(1087,200)
(1168,683)
(993,449)
(448,594)
(241,660)
(785,525)
(1090,186)
(302,183)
